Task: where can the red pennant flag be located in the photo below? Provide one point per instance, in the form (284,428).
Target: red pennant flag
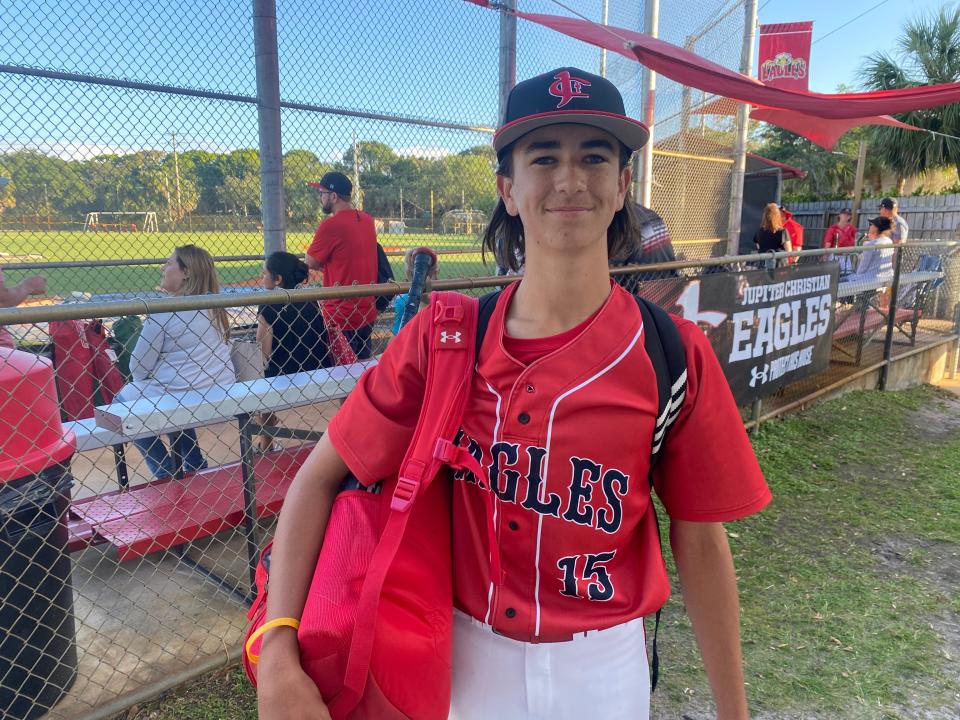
(784,58)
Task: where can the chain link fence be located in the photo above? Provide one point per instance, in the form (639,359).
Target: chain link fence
(126,566)
(128,130)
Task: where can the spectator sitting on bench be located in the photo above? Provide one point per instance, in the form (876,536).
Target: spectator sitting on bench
(181,351)
(292,336)
(875,264)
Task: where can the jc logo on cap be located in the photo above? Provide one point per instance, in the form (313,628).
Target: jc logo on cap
(567,87)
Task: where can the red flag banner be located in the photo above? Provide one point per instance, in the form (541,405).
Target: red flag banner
(784,59)
(686,68)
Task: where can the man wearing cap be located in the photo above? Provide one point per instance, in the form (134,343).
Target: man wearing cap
(345,247)
(841,234)
(555,478)
(899,228)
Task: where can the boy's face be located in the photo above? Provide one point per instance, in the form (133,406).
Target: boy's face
(566,185)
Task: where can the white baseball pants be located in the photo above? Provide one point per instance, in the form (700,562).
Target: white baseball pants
(600,674)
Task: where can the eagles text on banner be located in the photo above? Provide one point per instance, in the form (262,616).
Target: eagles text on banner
(784,58)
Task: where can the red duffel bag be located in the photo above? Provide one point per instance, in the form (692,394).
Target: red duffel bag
(376,629)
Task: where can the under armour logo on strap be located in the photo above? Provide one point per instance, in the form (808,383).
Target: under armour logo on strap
(444,336)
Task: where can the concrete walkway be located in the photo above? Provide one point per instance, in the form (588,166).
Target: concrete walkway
(951,385)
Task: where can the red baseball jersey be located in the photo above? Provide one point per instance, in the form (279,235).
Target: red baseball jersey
(346,245)
(565,444)
(836,236)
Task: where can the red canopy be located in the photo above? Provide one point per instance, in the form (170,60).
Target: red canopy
(692,70)
(822,132)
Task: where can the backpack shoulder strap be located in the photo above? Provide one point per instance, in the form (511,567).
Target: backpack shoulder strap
(453,322)
(663,344)
(487,305)
(665,348)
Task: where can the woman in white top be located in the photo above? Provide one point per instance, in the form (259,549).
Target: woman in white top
(181,351)
(876,264)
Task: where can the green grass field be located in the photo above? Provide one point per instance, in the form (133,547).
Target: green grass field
(849,581)
(90,247)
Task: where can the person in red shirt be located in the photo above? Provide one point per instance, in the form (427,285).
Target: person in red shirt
(13,296)
(794,230)
(560,419)
(345,247)
(841,234)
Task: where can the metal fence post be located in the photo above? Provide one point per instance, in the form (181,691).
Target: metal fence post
(643,165)
(507,54)
(952,368)
(743,127)
(891,317)
(756,410)
(272,208)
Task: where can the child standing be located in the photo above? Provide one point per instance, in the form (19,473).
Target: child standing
(561,414)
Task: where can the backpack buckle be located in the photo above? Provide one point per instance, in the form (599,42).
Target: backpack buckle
(445,451)
(404,494)
(408,485)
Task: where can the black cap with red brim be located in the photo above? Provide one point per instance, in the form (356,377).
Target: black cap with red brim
(568,95)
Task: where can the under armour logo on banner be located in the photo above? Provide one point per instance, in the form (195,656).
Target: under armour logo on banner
(444,336)
(760,374)
(568,87)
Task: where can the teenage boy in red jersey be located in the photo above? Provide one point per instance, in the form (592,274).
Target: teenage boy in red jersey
(561,414)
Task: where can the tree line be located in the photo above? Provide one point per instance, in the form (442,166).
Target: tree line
(198,183)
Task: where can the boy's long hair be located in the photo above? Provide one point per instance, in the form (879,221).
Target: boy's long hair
(201,279)
(503,237)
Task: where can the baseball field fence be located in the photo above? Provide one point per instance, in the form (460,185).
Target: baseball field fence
(119,581)
(127,130)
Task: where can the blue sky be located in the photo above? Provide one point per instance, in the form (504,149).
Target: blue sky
(835,60)
(435,59)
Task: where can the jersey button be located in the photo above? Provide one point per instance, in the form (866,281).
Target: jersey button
(523,418)
(513,525)
(510,613)
(530,388)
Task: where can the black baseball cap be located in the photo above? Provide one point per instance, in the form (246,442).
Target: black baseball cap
(888,203)
(845,211)
(568,95)
(335,182)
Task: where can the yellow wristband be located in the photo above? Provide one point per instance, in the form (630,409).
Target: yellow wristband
(255,635)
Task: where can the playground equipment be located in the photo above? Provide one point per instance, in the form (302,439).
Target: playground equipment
(104,221)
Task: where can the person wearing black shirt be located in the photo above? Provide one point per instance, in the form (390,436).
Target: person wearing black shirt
(771,237)
(292,336)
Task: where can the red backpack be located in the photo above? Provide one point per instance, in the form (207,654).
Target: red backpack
(83,363)
(376,630)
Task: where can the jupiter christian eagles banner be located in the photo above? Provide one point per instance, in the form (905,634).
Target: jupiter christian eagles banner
(769,328)
(784,58)
(781,328)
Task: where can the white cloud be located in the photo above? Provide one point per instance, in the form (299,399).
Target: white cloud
(67,151)
(430,152)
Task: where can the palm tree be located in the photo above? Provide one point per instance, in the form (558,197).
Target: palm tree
(927,53)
